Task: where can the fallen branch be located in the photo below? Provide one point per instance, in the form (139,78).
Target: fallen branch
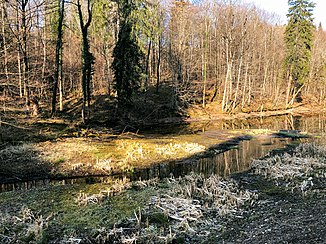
(16,126)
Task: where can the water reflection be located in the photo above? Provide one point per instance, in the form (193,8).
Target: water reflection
(224,163)
(24,185)
(234,160)
(310,124)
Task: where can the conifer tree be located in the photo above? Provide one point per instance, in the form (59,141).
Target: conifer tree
(299,41)
(128,56)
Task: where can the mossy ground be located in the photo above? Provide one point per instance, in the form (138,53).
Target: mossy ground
(87,212)
(65,213)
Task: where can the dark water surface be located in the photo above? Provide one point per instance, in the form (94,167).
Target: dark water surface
(233,156)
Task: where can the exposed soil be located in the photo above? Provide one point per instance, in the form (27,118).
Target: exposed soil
(291,207)
(279,215)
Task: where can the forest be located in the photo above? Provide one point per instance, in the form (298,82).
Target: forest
(173,121)
(225,55)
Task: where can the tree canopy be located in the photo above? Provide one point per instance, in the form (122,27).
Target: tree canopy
(299,40)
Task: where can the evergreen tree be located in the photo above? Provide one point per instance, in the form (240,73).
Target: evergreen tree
(299,41)
(320,27)
(128,56)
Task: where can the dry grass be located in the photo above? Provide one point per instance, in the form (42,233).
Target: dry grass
(24,227)
(22,161)
(12,154)
(214,192)
(193,201)
(80,155)
(189,206)
(298,170)
(69,156)
(154,150)
(113,187)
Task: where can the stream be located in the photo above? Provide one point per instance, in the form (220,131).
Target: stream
(232,156)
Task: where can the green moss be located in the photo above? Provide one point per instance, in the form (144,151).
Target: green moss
(274,191)
(60,160)
(157,218)
(67,215)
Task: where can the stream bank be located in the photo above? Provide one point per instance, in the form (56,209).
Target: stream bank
(262,205)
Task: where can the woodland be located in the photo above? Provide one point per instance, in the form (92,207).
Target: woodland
(128,121)
(157,58)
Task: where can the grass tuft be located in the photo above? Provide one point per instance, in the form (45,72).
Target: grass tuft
(297,170)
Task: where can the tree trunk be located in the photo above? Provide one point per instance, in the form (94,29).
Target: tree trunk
(216,87)
(107,61)
(205,63)
(238,78)
(24,51)
(227,86)
(88,61)
(4,40)
(245,87)
(58,56)
(20,82)
(147,66)
(288,90)
(19,73)
(61,87)
(44,41)
(158,68)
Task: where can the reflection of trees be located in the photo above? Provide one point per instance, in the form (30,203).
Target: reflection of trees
(224,163)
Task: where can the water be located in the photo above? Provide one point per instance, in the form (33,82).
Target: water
(234,160)
(224,159)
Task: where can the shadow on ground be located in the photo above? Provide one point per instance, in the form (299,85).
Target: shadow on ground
(22,163)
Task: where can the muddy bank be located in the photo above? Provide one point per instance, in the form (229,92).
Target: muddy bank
(291,207)
(279,216)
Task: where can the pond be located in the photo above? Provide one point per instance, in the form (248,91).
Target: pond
(231,156)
